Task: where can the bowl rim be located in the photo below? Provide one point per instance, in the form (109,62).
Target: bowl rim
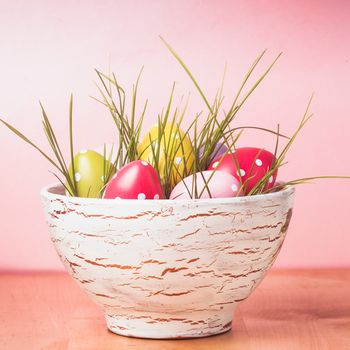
(46,192)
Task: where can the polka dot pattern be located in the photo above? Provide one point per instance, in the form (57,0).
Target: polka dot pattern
(77,177)
(178,160)
(249,165)
(241,172)
(136,180)
(234,188)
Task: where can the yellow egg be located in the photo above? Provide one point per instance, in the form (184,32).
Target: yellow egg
(175,152)
(89,173)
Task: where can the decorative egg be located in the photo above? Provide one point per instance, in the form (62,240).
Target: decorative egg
(249,165)
(173,147)
(136,180)
(219,183)
(89,173)
(218,151)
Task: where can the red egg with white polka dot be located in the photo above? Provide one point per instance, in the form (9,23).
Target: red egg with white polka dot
(136,180)
(248,164)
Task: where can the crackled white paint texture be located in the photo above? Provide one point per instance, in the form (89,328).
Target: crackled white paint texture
(168,269)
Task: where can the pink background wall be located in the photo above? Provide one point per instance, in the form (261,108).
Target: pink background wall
(49,49)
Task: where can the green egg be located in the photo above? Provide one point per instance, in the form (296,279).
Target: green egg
(89,173)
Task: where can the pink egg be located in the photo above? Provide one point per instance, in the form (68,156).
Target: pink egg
(220,184)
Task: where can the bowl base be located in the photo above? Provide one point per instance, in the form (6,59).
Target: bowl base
(165,328)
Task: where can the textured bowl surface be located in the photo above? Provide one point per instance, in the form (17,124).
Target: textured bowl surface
(168,268)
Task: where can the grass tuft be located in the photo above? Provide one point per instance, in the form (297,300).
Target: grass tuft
(175,151)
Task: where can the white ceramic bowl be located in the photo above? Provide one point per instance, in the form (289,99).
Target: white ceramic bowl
(168,268)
